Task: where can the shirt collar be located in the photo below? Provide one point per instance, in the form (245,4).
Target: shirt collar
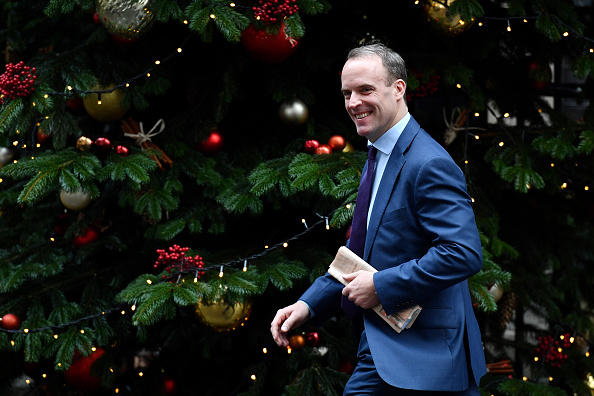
(388,140)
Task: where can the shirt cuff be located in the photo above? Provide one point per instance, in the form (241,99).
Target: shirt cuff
(311,312)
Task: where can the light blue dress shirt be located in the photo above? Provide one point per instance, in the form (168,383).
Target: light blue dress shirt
(384,146)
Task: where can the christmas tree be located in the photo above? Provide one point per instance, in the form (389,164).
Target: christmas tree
(172,173)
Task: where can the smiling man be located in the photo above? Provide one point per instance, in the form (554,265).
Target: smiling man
(418,230)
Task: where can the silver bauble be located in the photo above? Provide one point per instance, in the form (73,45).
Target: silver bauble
(7,155)
(496,291)
(125,18)
(77,200)
(293,112)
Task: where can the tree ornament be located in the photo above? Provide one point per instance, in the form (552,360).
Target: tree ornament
(293,112)
(135,130)
(505,310)
(223,315)
(540,75)
(175,260)
(312,338)
(10,322)
(84,143)
(42,137)
(552,349)
(91,234)
(310,146)
(323,149)
(103,144)
(7,155)
(496,291)
(439,18)
(428,85)
(79,372)
(297,342)
(348,148)
(274,11)
(77,200)
(337,143)
(106,106)
(212,144)
(268,47)
(75,104)
(128,19)
(122,150)
(17,81)
(346,367)
(169,385)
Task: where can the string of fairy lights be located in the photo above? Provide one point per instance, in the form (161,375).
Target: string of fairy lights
(244,261)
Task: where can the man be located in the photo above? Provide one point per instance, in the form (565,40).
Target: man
(421,237)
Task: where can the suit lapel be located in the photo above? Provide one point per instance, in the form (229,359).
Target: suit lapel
(388,182)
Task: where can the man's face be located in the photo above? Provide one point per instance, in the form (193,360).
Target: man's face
(373,106)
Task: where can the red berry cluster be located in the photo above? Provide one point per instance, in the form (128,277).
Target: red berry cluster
(17,81)
(424,89)
(175,260)
(551,349)
(272,11)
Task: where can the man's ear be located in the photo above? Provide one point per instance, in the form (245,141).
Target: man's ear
(400,86)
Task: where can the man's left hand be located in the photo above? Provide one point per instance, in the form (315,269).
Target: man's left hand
(361,289)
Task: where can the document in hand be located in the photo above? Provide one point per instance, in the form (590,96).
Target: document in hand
(347,262)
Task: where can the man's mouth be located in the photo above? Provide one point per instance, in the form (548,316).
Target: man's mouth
(362,115)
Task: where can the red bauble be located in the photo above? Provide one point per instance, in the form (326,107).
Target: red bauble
(169,385)
(337,142)
(123,41)
(310,146)
(212,144)
(266,47)
(75,104)
(79,372)
(540,75)
(42,137)
(324,149)
(90,235)
(103,144)
(10,322)
(122,150)
(313,338)
(346,367)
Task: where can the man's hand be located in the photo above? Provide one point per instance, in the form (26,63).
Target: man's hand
(286,319)
(361,289)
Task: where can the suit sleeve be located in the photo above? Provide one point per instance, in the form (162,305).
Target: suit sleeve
(442,212)
(323,298)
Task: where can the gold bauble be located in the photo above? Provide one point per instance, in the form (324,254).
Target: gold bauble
(348,148)
(77,200)
(84,143)
(110,108)
(438,17)
(223,315)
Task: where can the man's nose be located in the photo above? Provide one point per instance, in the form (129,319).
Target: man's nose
(354,101)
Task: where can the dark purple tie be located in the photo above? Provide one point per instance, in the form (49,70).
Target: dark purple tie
(359,225)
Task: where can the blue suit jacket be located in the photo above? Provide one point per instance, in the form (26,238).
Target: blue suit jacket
(423,240)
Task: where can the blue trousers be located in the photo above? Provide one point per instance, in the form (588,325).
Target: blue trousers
(366,381)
